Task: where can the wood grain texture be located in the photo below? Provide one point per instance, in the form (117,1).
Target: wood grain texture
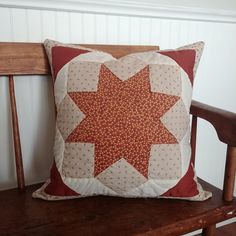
(31,59)
(23,59)
(101,215)
(223,121)
(16,136)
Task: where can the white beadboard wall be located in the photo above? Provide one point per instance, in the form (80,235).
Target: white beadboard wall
(215,82)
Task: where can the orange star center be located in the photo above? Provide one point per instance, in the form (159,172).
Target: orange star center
(122,120)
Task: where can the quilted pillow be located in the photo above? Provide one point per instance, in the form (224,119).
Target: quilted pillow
(122,126)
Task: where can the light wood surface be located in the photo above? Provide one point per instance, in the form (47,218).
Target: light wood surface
(31,59)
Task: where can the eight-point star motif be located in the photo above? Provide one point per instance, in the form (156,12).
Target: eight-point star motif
(122,119)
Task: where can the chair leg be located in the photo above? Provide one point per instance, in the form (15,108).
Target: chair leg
(209,231)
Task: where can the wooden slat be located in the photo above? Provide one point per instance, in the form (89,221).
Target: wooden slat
(16,136)
(193,137)
(23,59)
(30,58)
(229,179)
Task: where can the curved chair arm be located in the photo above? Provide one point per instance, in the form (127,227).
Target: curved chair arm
(223,121)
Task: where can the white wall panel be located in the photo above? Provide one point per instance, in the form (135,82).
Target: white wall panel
(6,32)
(62,24)
(101,32)
(215,83)
(34,24)
(19,24)
(48,26)
(134,30)
(89,23)
(188,10)
(155,35)
(145,30)
(7,170)
(76,27)
(123,30)
(36,118)
(113,29)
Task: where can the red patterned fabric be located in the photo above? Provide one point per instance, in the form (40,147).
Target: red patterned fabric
(56,185)
(62,55)
(185,58)
(186,187)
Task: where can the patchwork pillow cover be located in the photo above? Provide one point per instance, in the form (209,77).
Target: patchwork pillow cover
(122,126)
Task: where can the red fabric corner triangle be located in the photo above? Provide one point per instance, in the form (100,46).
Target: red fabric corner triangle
(56,187)
(62,55)
(185,59)
(186,187)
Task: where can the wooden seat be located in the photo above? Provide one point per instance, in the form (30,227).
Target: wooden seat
(20,214)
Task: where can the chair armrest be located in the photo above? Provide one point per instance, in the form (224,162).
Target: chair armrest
(223,121)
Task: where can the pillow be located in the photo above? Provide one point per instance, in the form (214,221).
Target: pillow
(122,125)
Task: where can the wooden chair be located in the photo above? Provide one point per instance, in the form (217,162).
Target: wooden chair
(22,215)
